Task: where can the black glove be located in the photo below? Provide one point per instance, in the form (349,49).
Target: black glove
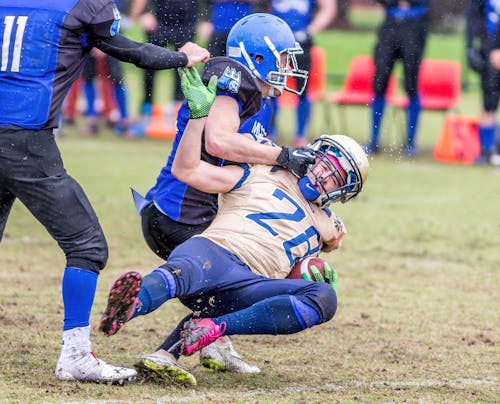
(475,60)
(296,160)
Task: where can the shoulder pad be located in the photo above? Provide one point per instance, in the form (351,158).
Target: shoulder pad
(237,80)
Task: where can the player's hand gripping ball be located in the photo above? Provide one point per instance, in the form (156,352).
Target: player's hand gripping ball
(314,269)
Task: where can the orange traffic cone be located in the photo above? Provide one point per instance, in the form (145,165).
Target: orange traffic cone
(288,99)
(458,141)
(161,125)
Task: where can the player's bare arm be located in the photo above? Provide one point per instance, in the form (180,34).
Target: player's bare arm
(189,168)
(223,141)
(188,165)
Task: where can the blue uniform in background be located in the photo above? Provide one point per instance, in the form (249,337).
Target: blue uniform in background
(298,15)
(482,20)
(402,35)
(223,15)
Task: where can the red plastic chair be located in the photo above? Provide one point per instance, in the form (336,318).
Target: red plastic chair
(358,87)
(439,86)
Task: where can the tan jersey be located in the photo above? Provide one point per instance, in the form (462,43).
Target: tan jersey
(269,225)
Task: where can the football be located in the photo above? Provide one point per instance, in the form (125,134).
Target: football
(304,266)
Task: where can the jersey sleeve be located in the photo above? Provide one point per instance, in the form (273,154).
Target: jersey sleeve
(236,81)
(332,237)
(98,17)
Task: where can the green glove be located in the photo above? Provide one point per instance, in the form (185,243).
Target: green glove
(199,97)
(330,276)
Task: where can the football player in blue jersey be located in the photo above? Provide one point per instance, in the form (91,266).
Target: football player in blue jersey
(173,211)
(306,18)
(482,20)
(222,15)
(402,35)
(263,209)
(36,72)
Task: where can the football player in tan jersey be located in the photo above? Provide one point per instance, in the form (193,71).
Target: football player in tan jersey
(173,211)
(232,274)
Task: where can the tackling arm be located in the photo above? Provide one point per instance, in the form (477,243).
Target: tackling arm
(190,169)
(223,141)
(144,55)
(188,166)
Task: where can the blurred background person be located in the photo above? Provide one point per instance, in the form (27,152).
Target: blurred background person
(306,18)
(482,18)
(111,70)
(102,79)
(166,23)
(222,15)
(402,35)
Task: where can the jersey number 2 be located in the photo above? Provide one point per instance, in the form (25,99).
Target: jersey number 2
(309,237)
(9,22)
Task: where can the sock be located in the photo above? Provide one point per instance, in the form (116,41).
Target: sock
(275,315)
(413,113)
(121,99)
(90,96)
(78,291)
(378,106)
(303,115)
(157,287)
(486,138)
(174,338)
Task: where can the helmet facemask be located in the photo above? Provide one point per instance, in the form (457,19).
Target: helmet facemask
(290,68)
(344,167)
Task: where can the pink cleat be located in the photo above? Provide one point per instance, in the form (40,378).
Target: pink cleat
(121,302)
(199,333)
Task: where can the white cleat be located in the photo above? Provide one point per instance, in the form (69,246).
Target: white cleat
(78,363)
(85,367)
(221,356)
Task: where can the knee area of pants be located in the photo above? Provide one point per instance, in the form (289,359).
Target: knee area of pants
(92,255)
(326,299)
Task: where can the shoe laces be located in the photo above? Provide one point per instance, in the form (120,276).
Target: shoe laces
(203,335)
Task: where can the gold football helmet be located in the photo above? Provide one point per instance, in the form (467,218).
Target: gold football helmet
(352,159)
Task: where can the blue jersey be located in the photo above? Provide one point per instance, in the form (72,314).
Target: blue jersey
(43,43)
(491,16)
(176,199)
(225,14)
(482,18)
(417,9)
(297,13)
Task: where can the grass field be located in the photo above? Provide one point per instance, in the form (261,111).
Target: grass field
(418,301)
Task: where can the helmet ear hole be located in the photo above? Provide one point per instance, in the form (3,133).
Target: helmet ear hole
(259,59)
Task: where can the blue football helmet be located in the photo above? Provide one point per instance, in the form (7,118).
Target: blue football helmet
(258,41)
(346,161)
